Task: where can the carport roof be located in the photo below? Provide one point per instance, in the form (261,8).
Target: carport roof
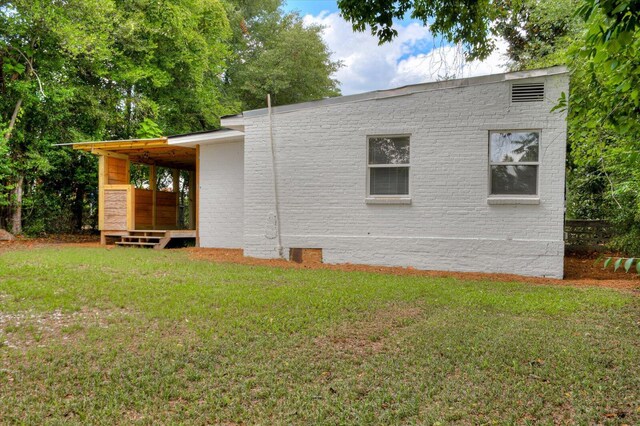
(156,151)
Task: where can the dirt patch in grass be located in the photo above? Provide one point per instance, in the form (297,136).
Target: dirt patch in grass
(370,336)
(62,240)
(580,271)
(21,330)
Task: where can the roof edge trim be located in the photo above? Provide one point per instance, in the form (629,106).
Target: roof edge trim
(77,145)
(415,88)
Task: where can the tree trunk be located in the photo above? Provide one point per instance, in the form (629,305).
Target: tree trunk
(78,209)
(129,110)
(16,217)
(14,117)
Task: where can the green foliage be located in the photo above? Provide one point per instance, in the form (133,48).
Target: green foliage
(606,109)
(115,69)
(91,69)
(148,129)
(466,22)
(538,33)
(628,263)
(600,44)
(280,56)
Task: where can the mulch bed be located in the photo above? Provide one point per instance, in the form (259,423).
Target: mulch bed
(581,270)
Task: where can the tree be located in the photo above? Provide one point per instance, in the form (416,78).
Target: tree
(603,119)
(607,66)
(169,58)
(286,59)
(539,33)
(465,22)
(88,69)
(37,39)
(277,54)
(78,70)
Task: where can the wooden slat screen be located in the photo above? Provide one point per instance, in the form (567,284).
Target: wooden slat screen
(143,210)
(115,209)
(117,171)
(587,234)
(166,210)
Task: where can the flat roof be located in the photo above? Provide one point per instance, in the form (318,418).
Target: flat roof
(414,88)
(202,138)
(144,151)
(86,146)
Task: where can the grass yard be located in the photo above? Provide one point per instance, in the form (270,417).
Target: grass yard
(89,335)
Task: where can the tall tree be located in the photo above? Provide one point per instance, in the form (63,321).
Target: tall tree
(286,59)
(275,53)
(606,102)
(38,40)
(464,22)
(78,70)
(604,115)
(538,33)
(169,60)
(89,69)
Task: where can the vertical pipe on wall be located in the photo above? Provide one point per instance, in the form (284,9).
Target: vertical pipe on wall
(274,176)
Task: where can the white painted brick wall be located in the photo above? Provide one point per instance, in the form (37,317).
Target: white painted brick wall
(321,168)
(221,195)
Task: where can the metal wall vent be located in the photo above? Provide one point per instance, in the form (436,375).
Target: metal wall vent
(527,92)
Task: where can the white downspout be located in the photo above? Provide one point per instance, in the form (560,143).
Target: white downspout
(274,175)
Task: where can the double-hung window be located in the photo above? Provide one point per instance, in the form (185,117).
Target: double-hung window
(513,160)
(388,166)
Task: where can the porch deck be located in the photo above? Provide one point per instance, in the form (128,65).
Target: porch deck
(145,216)
(151,238)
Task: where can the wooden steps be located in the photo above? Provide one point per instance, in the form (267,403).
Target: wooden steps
(135,243)
(148,238)
(157,239)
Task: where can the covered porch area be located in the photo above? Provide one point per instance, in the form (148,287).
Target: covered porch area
(147,191)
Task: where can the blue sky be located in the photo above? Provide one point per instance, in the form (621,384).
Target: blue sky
(413,57)
(309,7)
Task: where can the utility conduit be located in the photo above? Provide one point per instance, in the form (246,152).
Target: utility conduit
(274,177)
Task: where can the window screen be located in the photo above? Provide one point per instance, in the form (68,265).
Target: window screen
(388,165)
(513,160)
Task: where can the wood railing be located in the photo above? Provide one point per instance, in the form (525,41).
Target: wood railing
(124,207)
(587,235)
(116,212)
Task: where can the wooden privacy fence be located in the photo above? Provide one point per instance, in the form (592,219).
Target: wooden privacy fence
(587,235)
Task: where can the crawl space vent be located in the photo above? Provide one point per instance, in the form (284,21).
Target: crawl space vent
(527,92)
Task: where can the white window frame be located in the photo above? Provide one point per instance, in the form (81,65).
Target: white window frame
(498,197)
(388,198)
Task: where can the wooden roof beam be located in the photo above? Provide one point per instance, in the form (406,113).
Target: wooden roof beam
(124,144)
(112,154)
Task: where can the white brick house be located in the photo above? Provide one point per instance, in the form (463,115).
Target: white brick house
(460,175)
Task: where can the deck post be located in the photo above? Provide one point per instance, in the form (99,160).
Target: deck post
(192,199)
(101,181)
(176,188)
(152,186)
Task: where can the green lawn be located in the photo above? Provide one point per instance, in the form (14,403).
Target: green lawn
(128,335)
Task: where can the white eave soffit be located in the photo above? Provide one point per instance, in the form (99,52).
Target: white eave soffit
(235,122)
(218,136)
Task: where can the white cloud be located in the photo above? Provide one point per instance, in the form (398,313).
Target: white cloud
(369,66)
